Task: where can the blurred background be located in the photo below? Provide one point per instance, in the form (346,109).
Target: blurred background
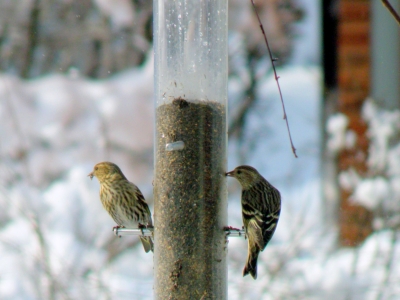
(76,88)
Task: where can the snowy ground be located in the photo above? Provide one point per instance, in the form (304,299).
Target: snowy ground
(55,236)
(57,127)
(56,240)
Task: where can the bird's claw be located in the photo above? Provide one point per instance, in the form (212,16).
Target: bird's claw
(141,227)
(115,229)
(226,228)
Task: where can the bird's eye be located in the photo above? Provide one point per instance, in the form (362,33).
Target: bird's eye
(96,168)
(239,172)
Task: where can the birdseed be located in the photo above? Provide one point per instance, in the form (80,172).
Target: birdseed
(190,200)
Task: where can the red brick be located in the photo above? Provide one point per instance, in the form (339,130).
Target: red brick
(353,158)
(354,10)
(354,64)
(354,78)
(354,33)
(356,123)
(349,97)
(355,221)
(353,55)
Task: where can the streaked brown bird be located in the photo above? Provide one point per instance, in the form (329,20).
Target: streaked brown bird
(261,206)
(123,200)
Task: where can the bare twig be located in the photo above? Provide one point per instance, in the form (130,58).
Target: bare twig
(389,265)
(390,8)
(33,38)
(276,77)
(45,256)
(11,105)
(114,248)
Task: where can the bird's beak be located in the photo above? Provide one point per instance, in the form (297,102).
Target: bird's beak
(229,174)
(91,175)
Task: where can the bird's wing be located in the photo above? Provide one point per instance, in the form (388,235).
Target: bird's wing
(271,212)
(255,233)
(262,205)
(270,222)
(253,223)
(142,207)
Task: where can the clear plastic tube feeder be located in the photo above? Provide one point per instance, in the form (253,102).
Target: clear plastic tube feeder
(190,39)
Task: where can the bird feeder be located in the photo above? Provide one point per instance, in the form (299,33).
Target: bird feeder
(190,47)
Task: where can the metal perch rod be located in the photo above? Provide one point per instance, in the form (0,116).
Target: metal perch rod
(149,232)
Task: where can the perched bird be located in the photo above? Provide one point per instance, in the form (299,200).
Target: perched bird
(123,200)
(261,206)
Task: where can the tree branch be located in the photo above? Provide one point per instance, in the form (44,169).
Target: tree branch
(390,8)
(273,60)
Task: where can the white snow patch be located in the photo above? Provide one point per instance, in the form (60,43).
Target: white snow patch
(337,128)
(371,192)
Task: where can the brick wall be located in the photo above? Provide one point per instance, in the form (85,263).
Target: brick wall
(354,86)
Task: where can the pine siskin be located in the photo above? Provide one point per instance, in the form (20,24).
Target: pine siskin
(123,200)
(261,206)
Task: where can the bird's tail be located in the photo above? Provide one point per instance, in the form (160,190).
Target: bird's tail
(251,264)
(147,243)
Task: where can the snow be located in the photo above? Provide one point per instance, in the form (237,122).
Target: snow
(52,136)
(372,192)
(62,126)
(379,190)
(375,264)
(339,136)
(383,130)
(348,179)
(120,12)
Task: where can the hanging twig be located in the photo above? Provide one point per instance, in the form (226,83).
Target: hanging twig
(276,77)
(390,262)
(390,8)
